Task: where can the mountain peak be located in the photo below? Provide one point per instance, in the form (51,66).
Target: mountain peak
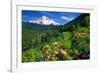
(44,17)
(44,20)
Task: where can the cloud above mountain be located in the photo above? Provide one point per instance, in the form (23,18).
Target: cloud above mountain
(67,18)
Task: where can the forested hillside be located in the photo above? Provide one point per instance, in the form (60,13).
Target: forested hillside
(70,41)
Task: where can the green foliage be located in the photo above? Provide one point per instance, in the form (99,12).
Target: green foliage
(31,55)
(67,41)
(81,40)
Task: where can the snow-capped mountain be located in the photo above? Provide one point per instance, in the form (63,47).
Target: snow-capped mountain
(44,20)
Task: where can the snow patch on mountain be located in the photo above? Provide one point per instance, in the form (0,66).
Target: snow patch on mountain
(44,20)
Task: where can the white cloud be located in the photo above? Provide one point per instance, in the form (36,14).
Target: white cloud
(66,18)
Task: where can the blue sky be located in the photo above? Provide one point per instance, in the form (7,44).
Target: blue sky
(59,17)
